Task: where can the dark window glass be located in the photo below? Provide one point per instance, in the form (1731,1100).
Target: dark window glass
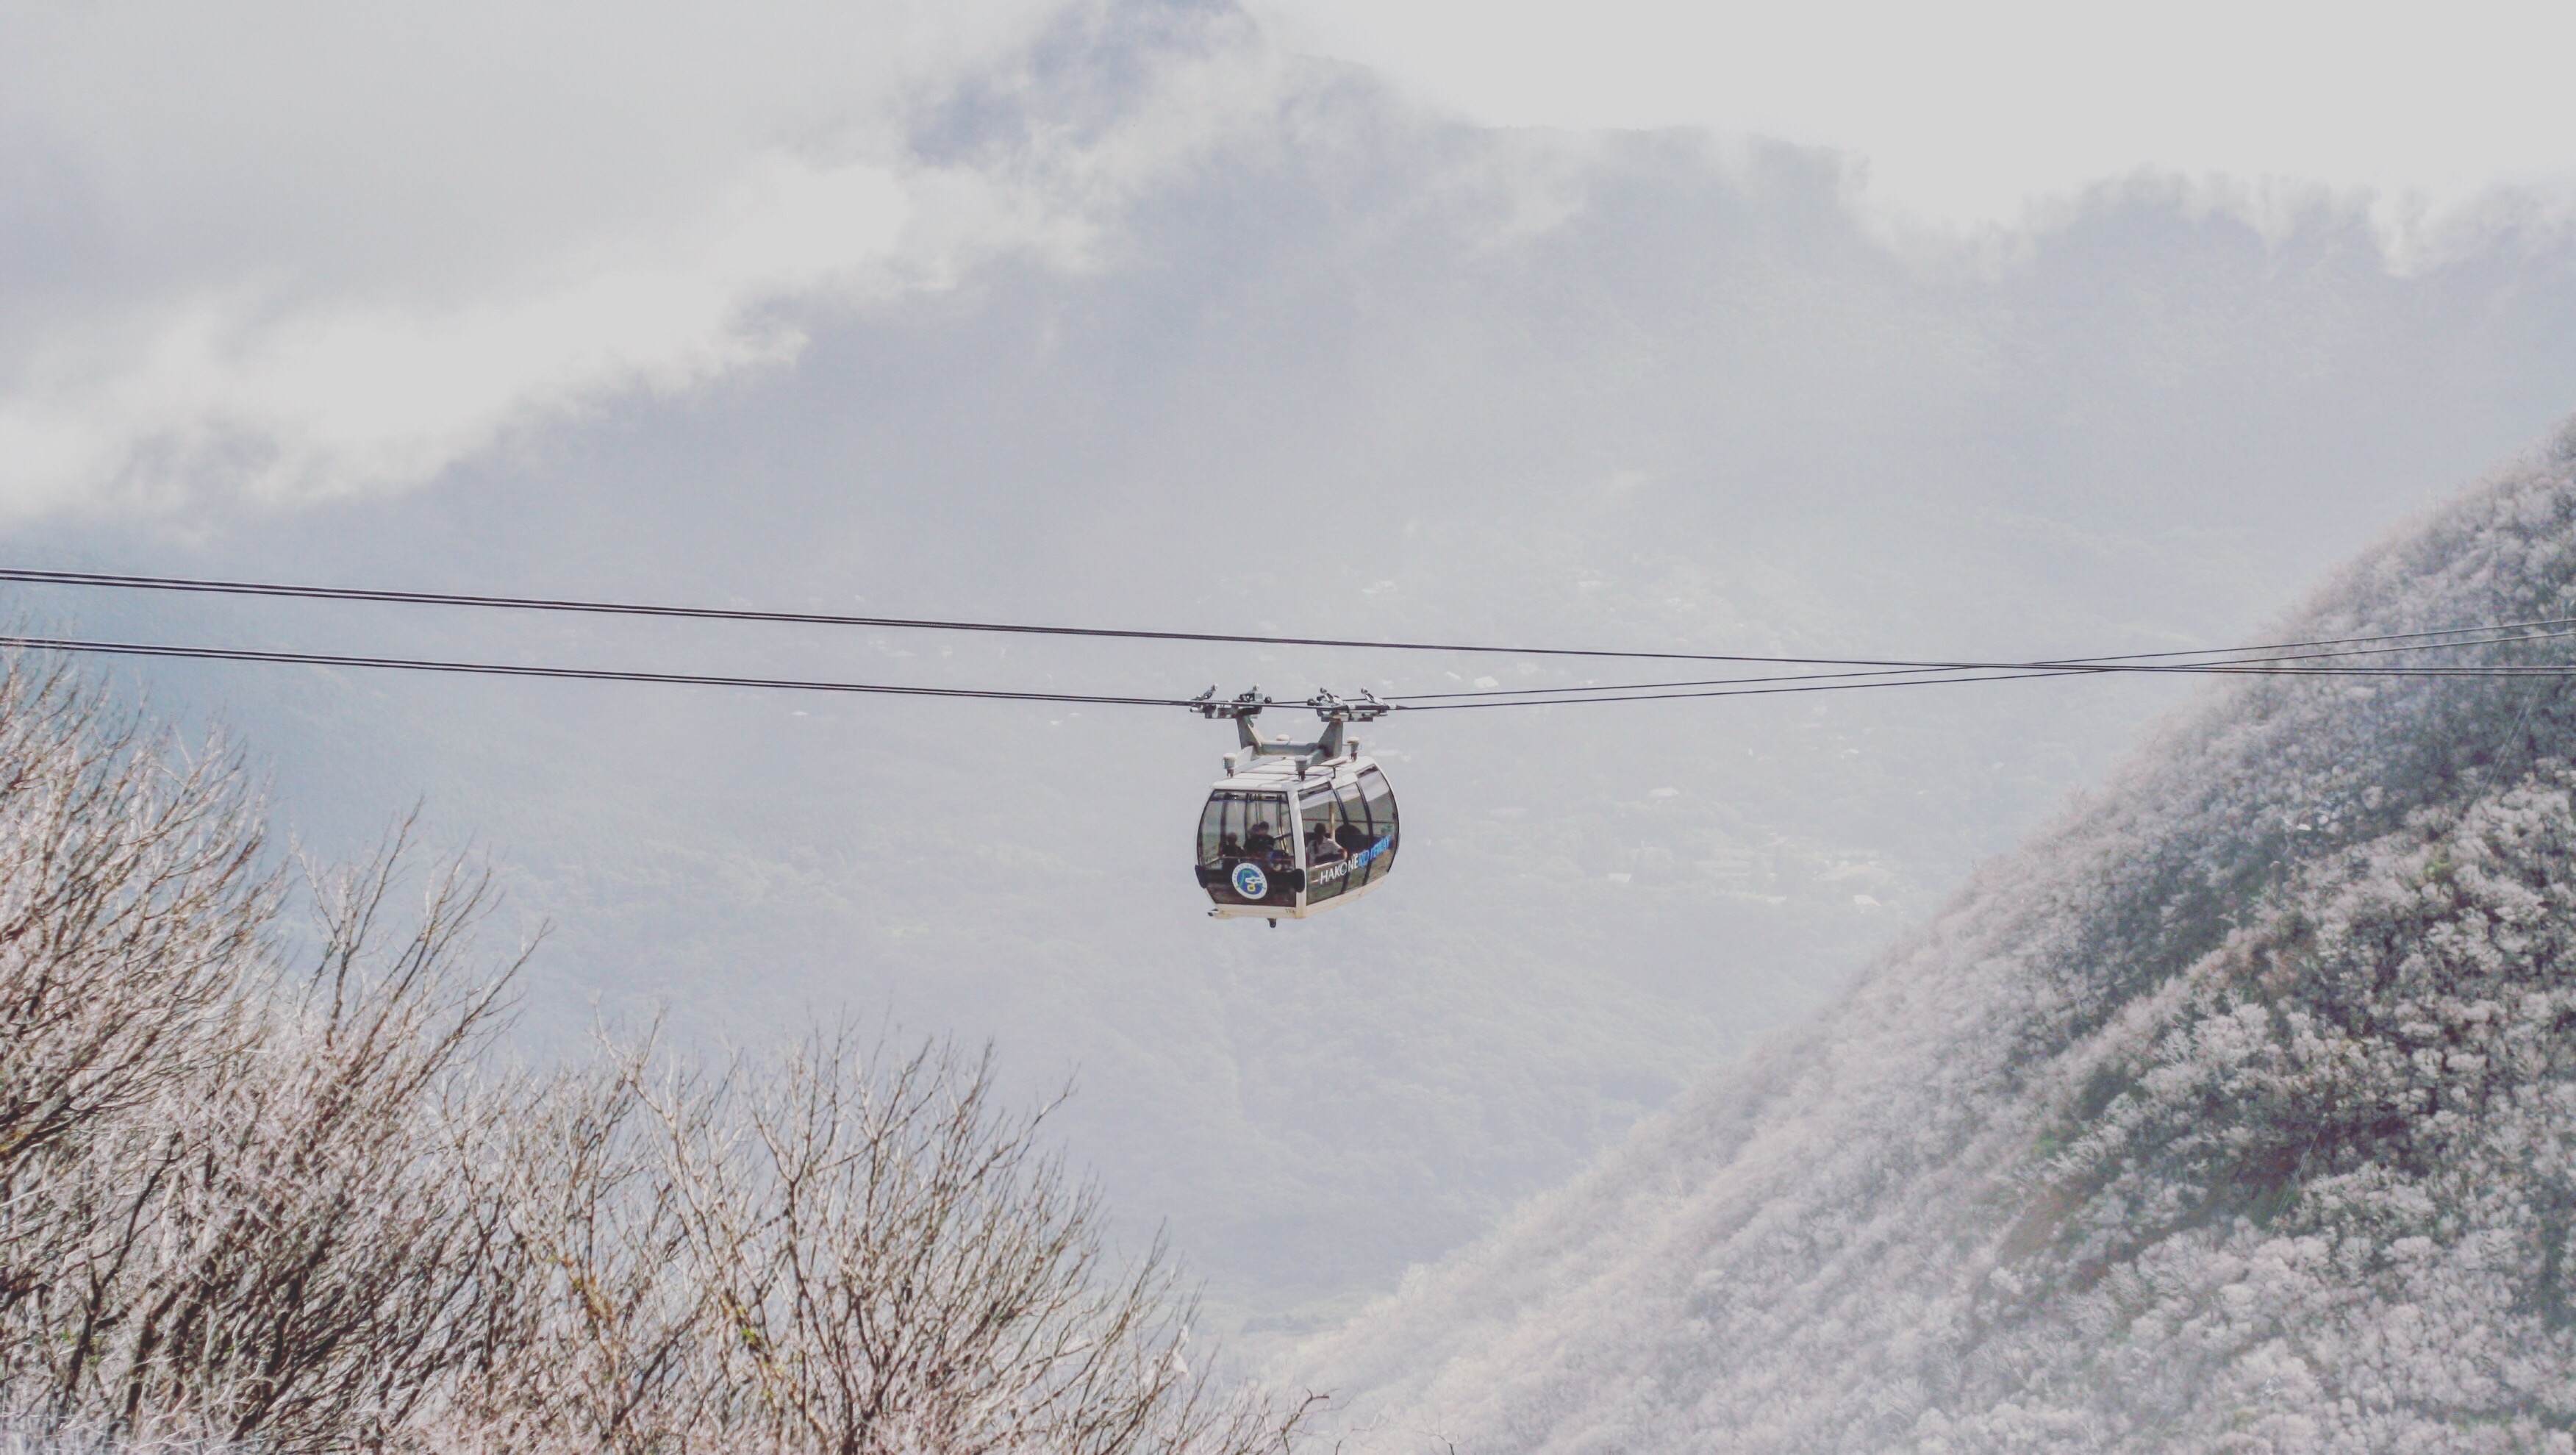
(1324,829)
(1212,830)
(1379,801)
(1353,832)
(1266,829)
(1254,828)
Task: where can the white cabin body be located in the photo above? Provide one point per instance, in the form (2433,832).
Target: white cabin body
(1288,837)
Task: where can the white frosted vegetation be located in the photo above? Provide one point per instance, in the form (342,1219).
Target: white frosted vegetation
(2236,1111)
(248,1208)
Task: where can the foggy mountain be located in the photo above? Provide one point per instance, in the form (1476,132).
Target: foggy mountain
(2234,1110)
(1279,350)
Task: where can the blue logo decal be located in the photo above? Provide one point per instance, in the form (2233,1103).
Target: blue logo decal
(1250,882)
(1367,856)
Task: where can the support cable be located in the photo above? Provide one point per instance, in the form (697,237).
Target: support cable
(710,613)
(582,674)
(1741,688)
(2216,664)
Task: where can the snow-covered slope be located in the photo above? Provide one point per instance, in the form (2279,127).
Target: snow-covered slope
(2237,1110)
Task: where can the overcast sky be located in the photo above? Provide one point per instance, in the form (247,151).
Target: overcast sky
(295,249)
(1964,112)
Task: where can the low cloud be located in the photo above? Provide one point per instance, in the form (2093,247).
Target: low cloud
(287,398)
(285,313)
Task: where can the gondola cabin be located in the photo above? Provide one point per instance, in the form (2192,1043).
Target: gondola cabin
(1295,829)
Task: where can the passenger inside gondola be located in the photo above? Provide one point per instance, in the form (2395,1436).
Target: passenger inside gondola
(1320,848)
(1351,837)
(1259,842)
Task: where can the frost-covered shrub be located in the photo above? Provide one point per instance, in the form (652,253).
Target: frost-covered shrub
(256,1203)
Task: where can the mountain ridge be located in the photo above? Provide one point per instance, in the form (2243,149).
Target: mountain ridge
(2155,1137)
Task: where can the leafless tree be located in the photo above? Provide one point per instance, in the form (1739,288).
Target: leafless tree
(828,1252)
(132,906)
(132,902)
(246,1206)
(607,1341)
(285,1249)
(899,1266)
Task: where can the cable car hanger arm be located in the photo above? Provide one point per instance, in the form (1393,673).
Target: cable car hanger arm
(1335,712)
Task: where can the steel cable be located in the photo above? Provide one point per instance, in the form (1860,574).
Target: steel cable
(1876,672)
(31,576)
(583,674)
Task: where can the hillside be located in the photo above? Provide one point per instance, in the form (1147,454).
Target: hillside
(2236,1110)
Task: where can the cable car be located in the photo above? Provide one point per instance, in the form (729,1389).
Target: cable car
(1294,829)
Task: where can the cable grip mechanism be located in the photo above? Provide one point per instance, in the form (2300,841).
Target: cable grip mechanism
(1332,710)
